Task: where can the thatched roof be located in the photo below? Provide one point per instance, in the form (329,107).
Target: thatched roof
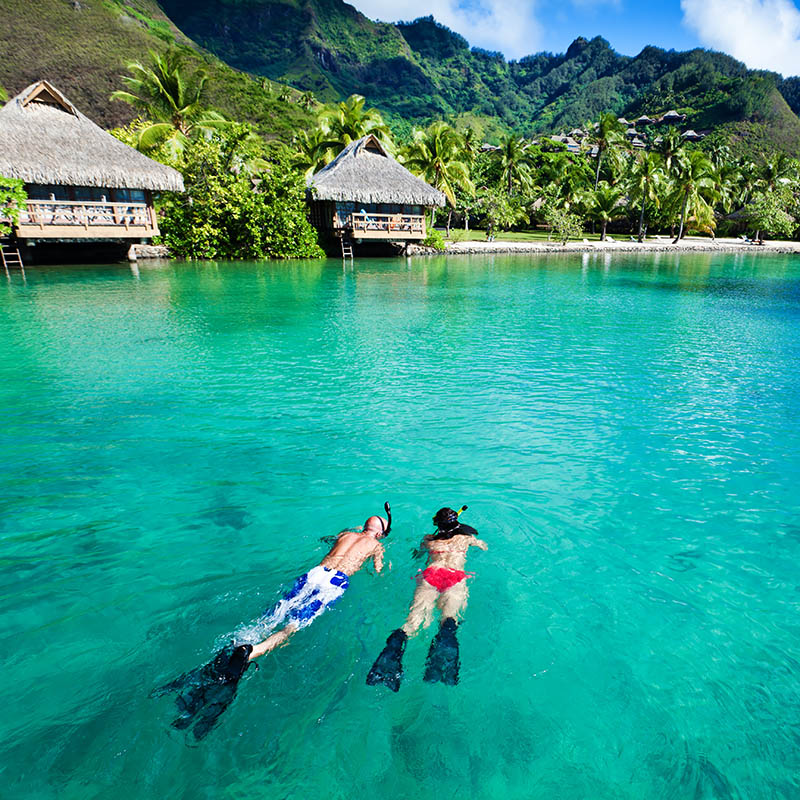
(365,173)
(44,139)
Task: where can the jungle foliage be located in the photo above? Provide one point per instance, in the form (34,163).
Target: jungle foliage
(12,197)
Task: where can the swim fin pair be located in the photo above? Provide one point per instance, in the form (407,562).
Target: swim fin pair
(205,692)
(442,664)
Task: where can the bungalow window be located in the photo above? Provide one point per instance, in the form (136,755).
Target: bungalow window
(128,195)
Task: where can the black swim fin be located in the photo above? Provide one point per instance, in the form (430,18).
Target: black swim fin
(388,666)
(205,692)
(442,664)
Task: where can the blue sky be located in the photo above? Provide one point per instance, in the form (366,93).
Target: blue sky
(765,34)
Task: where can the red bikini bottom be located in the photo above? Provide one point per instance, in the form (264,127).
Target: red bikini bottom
(444,578)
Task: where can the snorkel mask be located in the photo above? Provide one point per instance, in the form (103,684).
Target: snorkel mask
(446,519)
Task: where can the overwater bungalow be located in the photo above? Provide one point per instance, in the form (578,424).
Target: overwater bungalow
(83,184)
(365,195)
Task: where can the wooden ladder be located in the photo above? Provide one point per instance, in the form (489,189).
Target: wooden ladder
(347,249)
(11,258)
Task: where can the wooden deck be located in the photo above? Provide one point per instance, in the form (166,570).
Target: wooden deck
(385,226)
(57,219)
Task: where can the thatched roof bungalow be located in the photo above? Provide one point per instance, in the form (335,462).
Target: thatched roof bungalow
(82,183)
(365,194)
(672,118)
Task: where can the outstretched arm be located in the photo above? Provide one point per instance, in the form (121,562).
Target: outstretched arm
(377,557)
(479,543)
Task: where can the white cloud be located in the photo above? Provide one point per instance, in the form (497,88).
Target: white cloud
(510,27)
(765,34)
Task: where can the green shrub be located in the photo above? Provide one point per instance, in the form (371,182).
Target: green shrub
(434,239)
(236,204)
(12,198)
(563,224)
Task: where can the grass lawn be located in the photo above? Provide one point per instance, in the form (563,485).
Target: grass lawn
(477,235)
(459,235)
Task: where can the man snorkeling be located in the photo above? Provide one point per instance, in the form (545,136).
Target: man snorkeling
(322,586)
(442,584)
(205,692)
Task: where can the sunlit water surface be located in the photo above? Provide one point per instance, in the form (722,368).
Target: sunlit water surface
(625,431)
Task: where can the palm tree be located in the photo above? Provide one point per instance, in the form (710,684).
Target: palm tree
(285,94)
(515,163)
(645,181)
(671,147)
(608,134)
(728,184)
(307,100)
(313,150)
(471,142)
(435,154)
(604,204)
(776,169)
(694,187)
(170,99)
(349,121)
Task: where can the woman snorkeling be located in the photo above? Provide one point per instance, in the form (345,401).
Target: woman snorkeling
(442,584)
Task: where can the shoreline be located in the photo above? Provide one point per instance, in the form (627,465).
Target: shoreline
(694,245)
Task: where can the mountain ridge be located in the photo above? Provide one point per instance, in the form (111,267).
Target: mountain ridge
(420,70)
(412,71)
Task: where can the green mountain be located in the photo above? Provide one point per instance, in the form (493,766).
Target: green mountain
(412,71)
(420,69)
(82,46)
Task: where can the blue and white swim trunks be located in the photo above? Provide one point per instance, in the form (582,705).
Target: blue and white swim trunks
(311,595)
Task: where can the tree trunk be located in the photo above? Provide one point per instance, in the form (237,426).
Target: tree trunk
(449,220)
(597,173)
(641,224)
(683,218)
(466,221)
(603,234)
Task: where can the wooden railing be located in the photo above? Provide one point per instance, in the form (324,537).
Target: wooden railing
(49,218)
(85,214)
(403,226)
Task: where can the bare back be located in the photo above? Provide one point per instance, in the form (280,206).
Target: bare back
(450,553)
(351,550)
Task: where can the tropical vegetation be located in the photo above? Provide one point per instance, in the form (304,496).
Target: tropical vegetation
(12,198)
(245,195)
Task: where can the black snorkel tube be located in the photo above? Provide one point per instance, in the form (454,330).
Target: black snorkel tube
(388,529)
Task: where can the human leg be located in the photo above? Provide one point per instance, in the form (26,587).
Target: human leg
(388,666)
(443,662)
(277,639)
(422,605)
(310,596)
(453,601)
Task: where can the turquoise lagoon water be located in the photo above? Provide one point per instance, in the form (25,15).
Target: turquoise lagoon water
(626,432)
